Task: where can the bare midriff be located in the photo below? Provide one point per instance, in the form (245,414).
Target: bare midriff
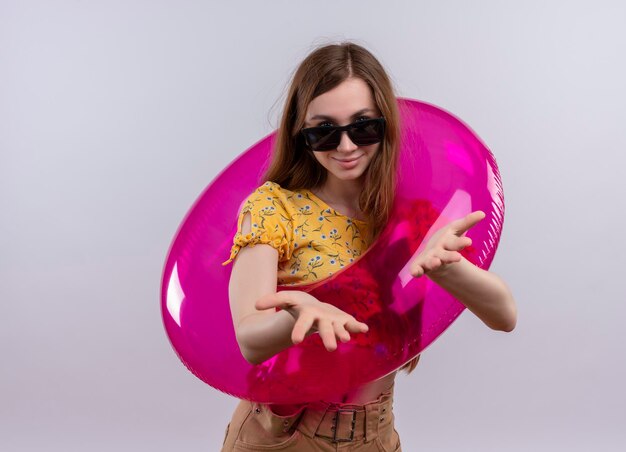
(369,392)
(362,395)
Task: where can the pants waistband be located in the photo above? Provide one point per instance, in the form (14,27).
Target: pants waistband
(344,422)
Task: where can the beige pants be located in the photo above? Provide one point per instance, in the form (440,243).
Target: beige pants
(318,427)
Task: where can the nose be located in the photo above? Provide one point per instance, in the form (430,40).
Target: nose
(346,144)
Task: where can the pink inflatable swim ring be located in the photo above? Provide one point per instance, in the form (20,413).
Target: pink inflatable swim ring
(445,173)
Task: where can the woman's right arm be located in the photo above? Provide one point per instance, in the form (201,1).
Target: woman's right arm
(261,331)
(260,334)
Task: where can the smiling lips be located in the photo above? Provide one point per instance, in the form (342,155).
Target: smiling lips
(349,164)
(348,161)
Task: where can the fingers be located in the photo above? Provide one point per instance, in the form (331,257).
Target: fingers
(341,333)
(433,262)
(454,243)
(328,330)
(301,328)
(354,326)
(464,224)
(327,334)
(311,315)
(448,257)
(443,248)
(424,265)
(331,331)
(417,270)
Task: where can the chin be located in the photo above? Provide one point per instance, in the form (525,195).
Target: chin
(349,176)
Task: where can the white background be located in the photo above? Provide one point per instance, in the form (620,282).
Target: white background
(114,115)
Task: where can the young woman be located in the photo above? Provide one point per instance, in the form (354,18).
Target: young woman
(333,170)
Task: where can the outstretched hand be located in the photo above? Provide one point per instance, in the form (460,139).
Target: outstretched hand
(312,315)
(443,248)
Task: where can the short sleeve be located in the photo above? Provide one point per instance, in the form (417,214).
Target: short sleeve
(271,224)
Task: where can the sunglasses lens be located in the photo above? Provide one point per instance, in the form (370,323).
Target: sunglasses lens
(322,140)
(367,132)
(362,133)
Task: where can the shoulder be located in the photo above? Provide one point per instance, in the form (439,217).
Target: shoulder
(270,193)
(270,221)
(269,199)
(269,189)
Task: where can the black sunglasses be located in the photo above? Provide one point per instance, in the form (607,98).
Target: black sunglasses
(362,133)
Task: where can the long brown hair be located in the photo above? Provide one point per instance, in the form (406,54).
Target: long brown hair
(293,166)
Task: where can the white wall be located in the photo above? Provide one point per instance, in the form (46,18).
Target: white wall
(114,115)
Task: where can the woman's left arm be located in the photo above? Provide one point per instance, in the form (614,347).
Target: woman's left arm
(482,292)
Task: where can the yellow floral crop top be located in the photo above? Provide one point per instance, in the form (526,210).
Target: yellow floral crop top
(312,239)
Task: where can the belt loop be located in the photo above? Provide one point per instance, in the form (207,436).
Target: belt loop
(311,419)
(371,421)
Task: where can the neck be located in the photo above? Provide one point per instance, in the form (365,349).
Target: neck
(342,195)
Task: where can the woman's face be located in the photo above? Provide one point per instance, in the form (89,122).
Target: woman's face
(350,101)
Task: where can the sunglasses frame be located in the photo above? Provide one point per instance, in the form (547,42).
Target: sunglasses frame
(348,128)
